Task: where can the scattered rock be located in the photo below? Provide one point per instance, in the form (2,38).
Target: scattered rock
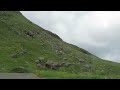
(87,66)
(22,52)
(68,64)
(65,59)
(60,51)
(21,67)
(14,55)
(40,65)
(81,60)
(40,62)
(56,51)
(37,61)
(19,53)
(29,33)
(41,58)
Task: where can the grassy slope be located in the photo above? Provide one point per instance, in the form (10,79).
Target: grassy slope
(13,39)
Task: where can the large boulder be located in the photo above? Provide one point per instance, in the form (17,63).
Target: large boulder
(29,33)
(52,65)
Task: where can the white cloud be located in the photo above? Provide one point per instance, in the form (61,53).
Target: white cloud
(95,31)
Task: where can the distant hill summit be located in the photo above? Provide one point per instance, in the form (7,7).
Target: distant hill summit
(28,48)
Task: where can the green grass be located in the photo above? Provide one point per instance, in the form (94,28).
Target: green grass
(48,74)
(20,50)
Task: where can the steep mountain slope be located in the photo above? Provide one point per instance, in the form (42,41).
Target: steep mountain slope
(26,47)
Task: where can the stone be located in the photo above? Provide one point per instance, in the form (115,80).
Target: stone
(40,65)
(68,64)
(29,33)
(87,66)
(60,51)
(37,61)
(52,65)
(63,63)
(81,60)
(41,58)
(65,59)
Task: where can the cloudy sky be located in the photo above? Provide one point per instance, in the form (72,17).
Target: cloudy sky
(96,31)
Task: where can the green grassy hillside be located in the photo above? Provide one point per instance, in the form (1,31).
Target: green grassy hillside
(26,47)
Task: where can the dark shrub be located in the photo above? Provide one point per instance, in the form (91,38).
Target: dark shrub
(19,70)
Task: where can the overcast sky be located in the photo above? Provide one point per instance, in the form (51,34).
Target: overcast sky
(96,31)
